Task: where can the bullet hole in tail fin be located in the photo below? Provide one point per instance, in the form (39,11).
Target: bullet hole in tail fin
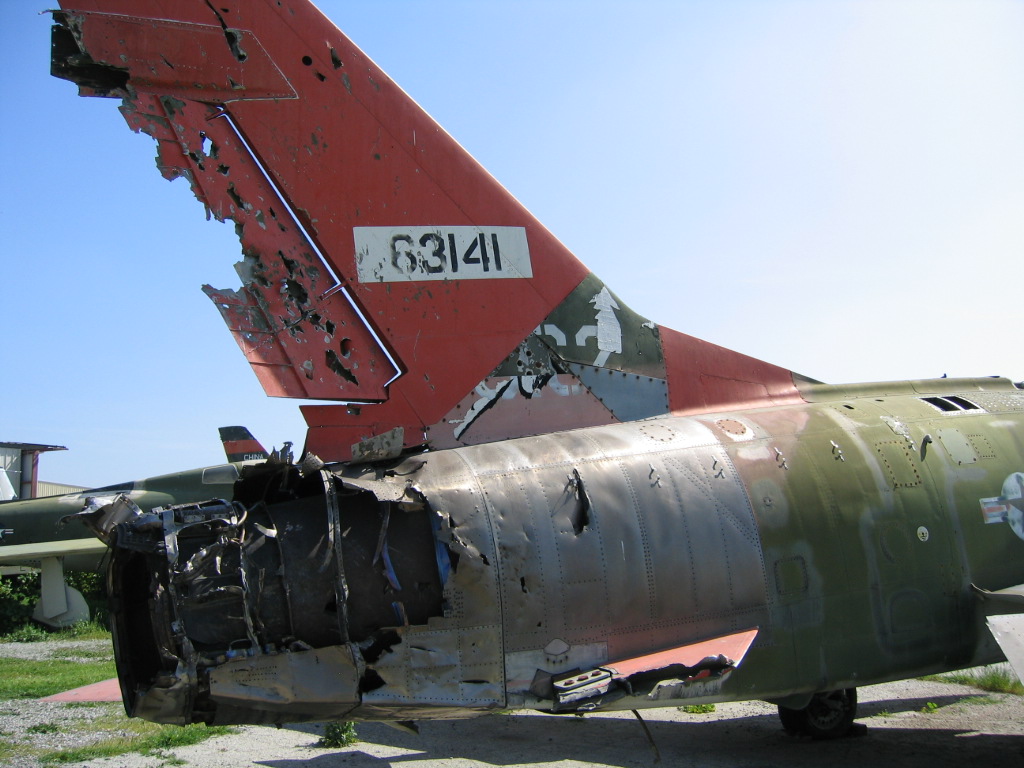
(233,36)
(236,198)
(335,364)
(273,215)
(295,291)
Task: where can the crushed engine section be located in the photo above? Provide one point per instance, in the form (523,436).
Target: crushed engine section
(219,619)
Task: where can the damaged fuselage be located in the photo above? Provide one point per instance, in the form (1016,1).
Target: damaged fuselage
(826,545)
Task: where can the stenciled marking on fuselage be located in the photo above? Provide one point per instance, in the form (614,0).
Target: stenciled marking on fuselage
(1008,508)
(412,254)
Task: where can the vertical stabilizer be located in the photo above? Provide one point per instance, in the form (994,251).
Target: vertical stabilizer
(382,266)
(240,445)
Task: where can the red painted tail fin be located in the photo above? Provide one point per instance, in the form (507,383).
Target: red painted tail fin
(383,267)
(240,445)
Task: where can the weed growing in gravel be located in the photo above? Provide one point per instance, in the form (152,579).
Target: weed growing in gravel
(697,709)
(166,758)
(930,707)
(339,734)
(43,728)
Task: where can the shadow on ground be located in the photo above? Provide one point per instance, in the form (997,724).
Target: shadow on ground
(619,742)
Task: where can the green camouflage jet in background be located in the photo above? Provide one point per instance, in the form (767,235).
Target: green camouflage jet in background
(33,533)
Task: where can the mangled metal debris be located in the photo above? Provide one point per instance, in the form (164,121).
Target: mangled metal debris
(402,589)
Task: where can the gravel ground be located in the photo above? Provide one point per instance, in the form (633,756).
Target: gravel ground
(63,649)
(54,726)
(968,728)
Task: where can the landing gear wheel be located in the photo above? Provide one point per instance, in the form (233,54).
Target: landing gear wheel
(827,716)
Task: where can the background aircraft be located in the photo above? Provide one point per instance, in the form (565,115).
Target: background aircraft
(786,540)
(36,536)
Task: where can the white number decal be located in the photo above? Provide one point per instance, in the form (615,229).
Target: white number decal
(394,254)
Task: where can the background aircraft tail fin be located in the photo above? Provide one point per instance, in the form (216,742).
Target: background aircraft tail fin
(240,445)
(382,265)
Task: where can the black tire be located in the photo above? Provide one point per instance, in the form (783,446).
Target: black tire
(828,715)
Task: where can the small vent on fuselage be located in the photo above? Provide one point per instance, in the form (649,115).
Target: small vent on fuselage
(952,403)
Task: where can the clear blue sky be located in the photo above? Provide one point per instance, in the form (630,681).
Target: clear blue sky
(835,187)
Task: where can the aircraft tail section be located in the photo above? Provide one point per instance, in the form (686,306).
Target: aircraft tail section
(382,266)
(240,445)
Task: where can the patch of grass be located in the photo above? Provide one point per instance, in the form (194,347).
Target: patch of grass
(26,633)
(697,709)
(43,728)
(930,707)
(339,734)
(26,679)
(116,720)
(34,633)
(148,739)
(83,630)
(7,750)
(997,678)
